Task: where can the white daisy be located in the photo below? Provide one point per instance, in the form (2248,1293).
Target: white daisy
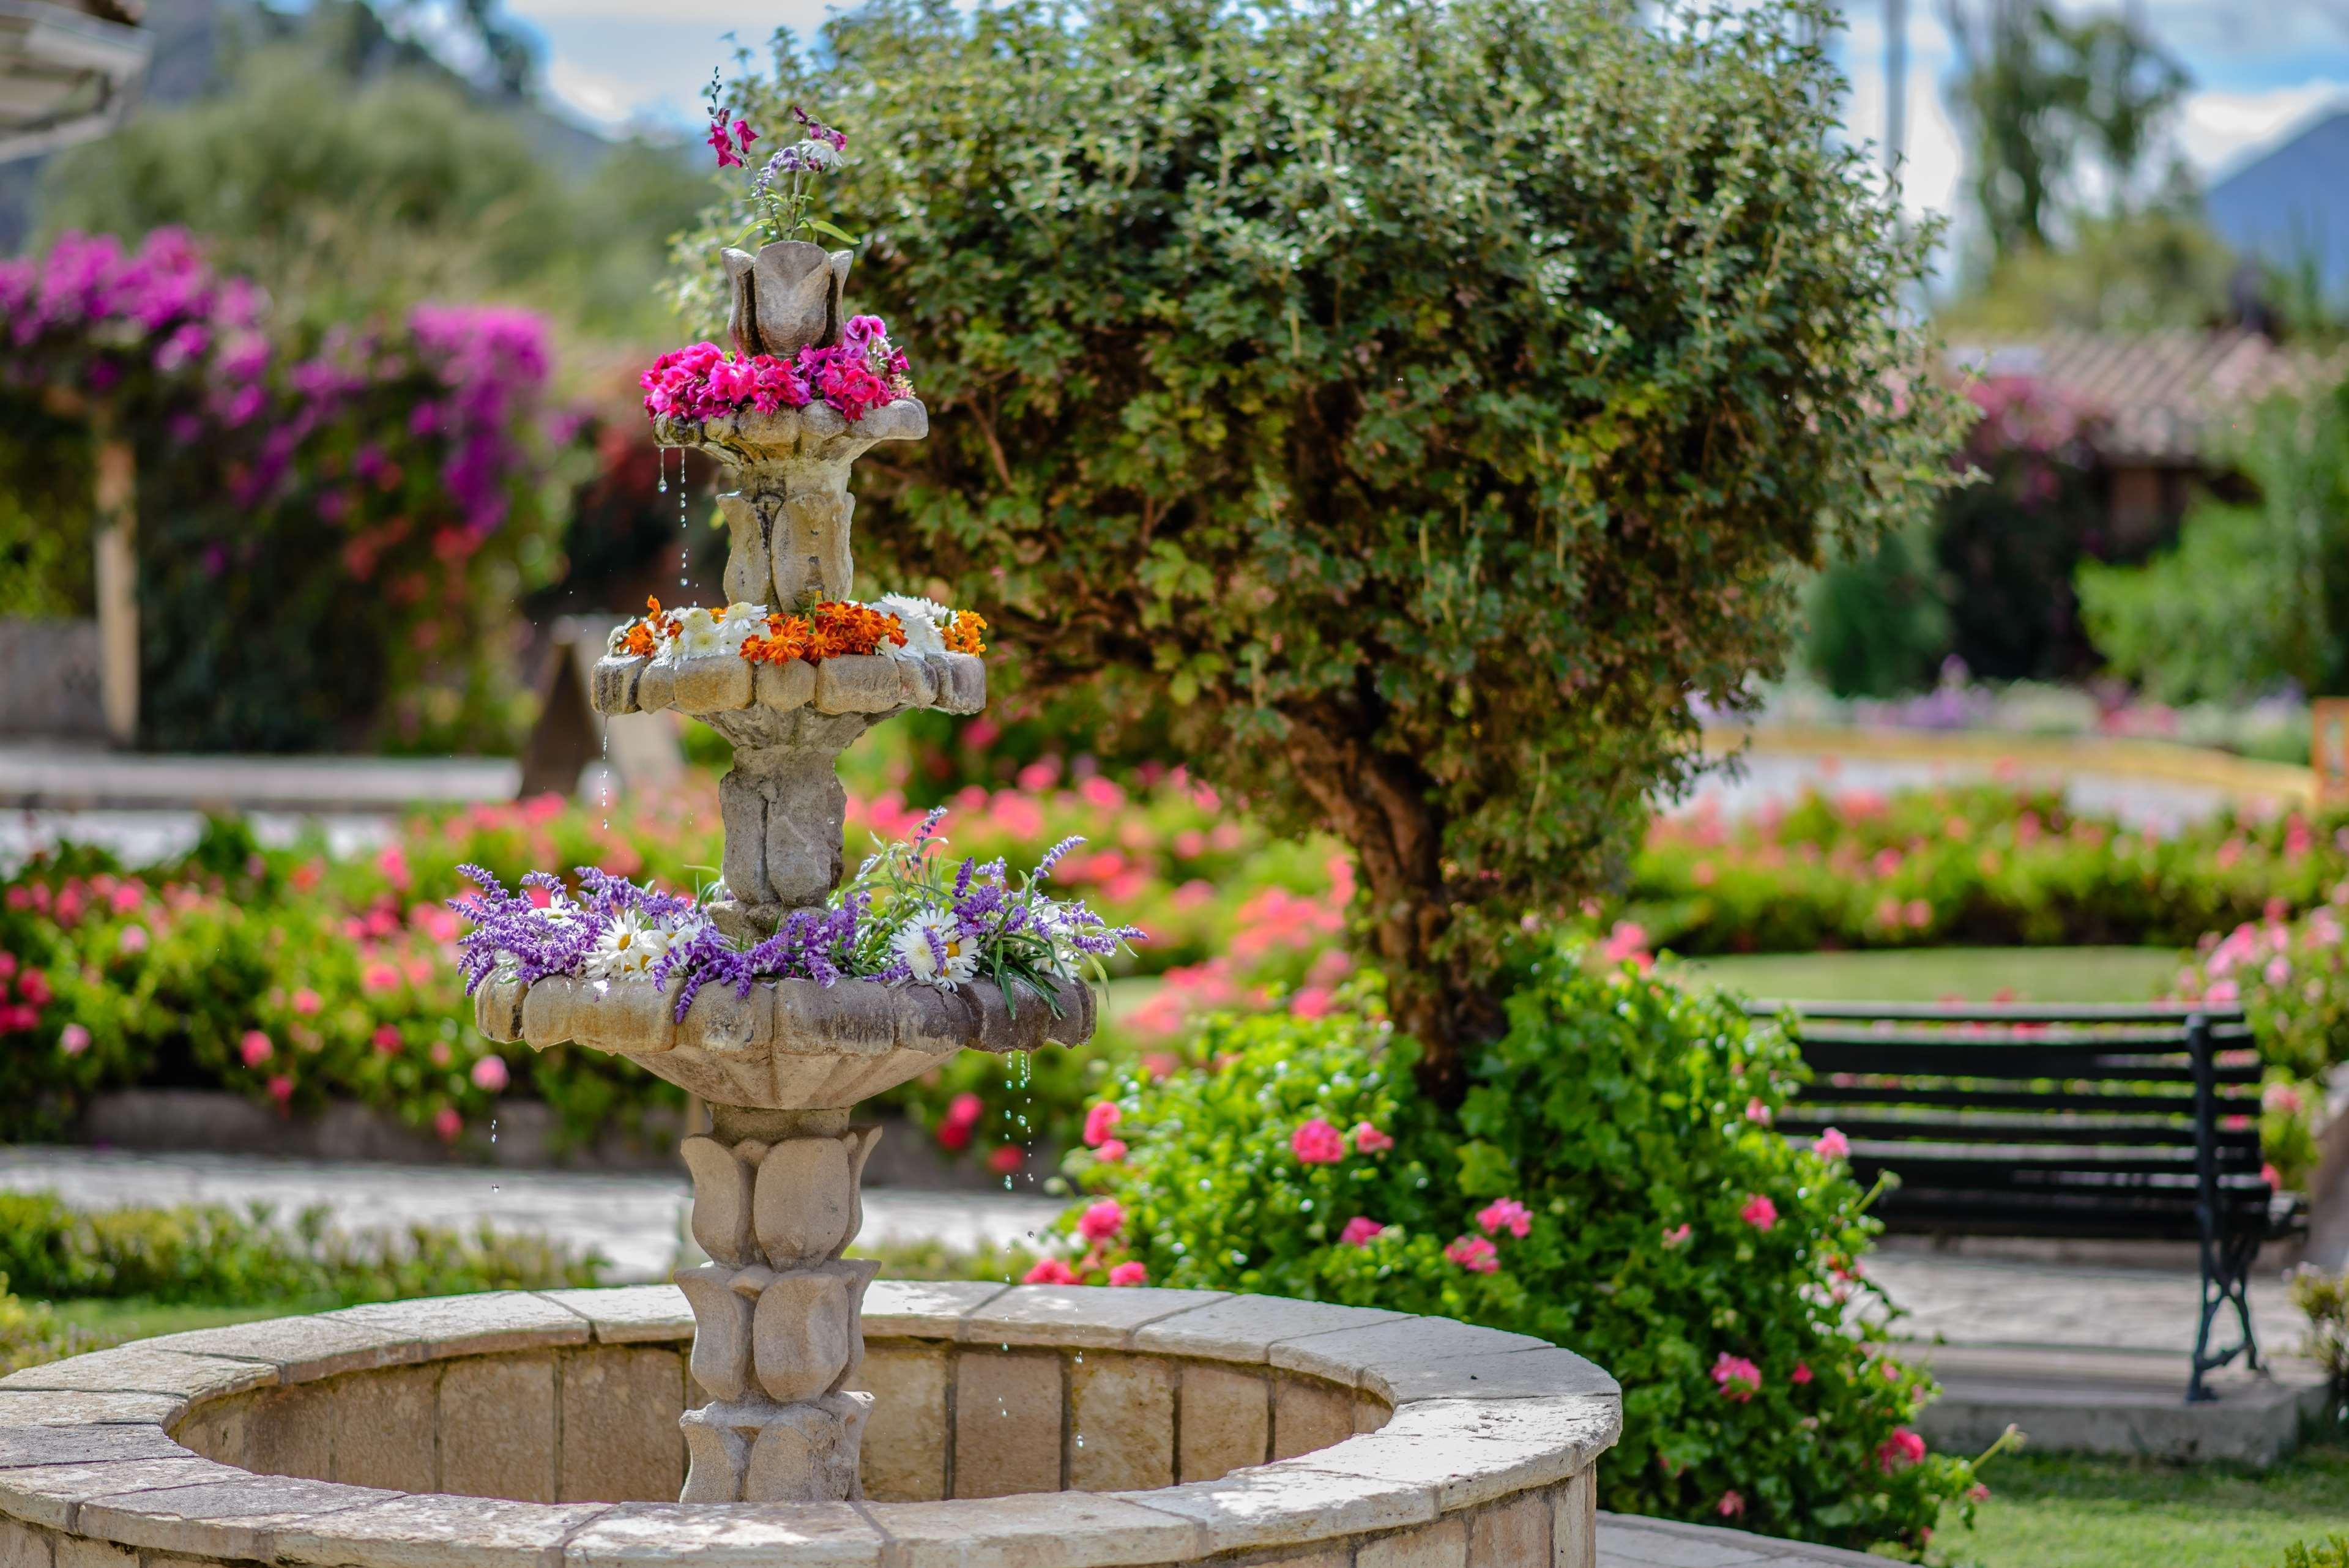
(921,618)
(739,623)
(628,946)
(696,635)
(913,948)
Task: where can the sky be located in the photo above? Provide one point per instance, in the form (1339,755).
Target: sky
(2261,67)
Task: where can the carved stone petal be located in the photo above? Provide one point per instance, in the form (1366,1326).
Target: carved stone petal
(716,683)
(861,1141)
(547,1011)
(497,1008)
(785,686)
(806,1197)
(722,1329)
(656,687)
(721,1200)
(808,1453)
(804,1337)
(715,1457)
(615,683)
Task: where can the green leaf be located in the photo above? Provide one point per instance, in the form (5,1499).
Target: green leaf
(821,227)
(1485,1171)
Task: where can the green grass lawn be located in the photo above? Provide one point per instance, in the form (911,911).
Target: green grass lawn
(2057,1511)
(1930,974)
(134,1318)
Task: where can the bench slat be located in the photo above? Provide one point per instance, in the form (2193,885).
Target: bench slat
(2051,1100)
(1953,1130)
(2066,1063)
(2176,1013)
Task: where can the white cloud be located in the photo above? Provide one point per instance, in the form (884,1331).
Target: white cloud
(2220,130)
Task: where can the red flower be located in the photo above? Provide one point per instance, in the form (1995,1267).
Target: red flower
(1006,1159)
(1369,1140)
(1052,1271)
(1101,1221)
(1473,1253)
(1801,1374)
(1129,1273)
(1759,1213)
(1505,1214)
(1738,1378)
(1898,1451)
(1731,1506)
(1099,1121)
(1359,1230)
(1317,1142)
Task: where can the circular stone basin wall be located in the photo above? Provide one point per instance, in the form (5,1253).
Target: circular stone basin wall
(1021,1427)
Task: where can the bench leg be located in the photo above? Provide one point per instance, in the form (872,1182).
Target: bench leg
(2226,1281)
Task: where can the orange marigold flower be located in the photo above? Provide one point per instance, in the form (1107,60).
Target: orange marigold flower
(786,638)
(839,629)
(638,642)
(964,631)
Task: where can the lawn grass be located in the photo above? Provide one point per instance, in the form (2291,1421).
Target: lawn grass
(2063,1510)
(1931,973)
(117,1319)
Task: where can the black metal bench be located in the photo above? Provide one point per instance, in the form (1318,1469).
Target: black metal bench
(2131,1123)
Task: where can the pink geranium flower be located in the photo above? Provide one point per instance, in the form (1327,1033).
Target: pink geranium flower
(1731,1506)
(1505,1214)
(447,1123)
(73,1039)
(1101,1221)
(1898,1451)
(1677,1236)
(1801,1374)
(255,1049)
(1756,1113)
(1317,1142)
(1832,1145)
(1110,1151)
(1099,1122)
(1359,1230)
(1759,1213)
(1050,1271)
(1129,1273)
(490,1074)
(1738,1378)
(1473,1253)
(1369,1140)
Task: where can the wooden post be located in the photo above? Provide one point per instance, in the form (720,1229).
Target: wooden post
(117,546)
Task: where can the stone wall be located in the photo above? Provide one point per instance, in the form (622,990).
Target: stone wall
(1023,1427)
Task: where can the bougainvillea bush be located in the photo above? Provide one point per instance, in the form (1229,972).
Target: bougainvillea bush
(1986,866)
(1611,1183)
(333,526)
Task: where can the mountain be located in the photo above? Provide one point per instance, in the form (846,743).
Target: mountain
(2291,206)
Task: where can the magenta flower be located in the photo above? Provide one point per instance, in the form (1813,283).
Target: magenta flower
(1317,1142)
(1473,1253)
(1832,1145)
(1129,1273)
(1359,1230)
(1738,1378)
(723,144)
(255,1049)
(1369,1140)
(1098,1121)
(1505,1214)
(1101,1221)
(1050,1271)
(1800,1374)
(743,135)
(1759,1213)
(1898,1451)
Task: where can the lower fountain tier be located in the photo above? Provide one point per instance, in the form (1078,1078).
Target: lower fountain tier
(727,682)
(789,1044)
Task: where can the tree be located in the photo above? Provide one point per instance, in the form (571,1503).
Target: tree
(1419,405)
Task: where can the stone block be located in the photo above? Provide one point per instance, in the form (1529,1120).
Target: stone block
(1007,1435)
(1443,1544)
(719,1361)
(924,1309)
(77,1408)
(22,1547)
(785,686)
(1511,1375)
(142,1369)
(490,1323)
(1511,1534)
(383,1426)
(232,1519)
(620,1438)
(291,1432)
(1246,1327)
(1309,1413)
(715,683)
(1354,1355)
(864,682)
(550,1010)
(614,692)
(49,1495)
(719,1021)
(630,1315)
(721,1200)
(1120,1422)
(1032,1532)
(435,1531)
(1370,1413)
(917,685)
(497,1428)
(1227,1421)
(656,687)
(904,1456)
(497,1009)
(1466,1470)
(1574,1522)
(79,1552)
(1082,1316)
(632,1016)
(1290,1504)
(84,1445)
(674,1535)
(303,1349)
(758,1452)
(962,682)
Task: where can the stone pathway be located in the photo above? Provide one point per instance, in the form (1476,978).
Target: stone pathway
(1625,1541)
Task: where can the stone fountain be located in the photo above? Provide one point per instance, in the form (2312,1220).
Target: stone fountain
(777,1310)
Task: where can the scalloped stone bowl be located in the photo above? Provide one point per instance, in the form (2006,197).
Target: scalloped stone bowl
(1021,1426)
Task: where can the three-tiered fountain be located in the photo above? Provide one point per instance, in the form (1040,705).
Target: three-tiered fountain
(777,1310)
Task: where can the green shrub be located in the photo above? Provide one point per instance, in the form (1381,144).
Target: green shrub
(1876,624)
(30,1334)
(205,1253)
(2333,1551)
(1631,1122)
(1416,402)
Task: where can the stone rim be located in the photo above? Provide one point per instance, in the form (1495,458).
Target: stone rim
(1532,1418)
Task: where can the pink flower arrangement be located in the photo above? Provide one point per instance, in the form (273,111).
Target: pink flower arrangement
(1101,1221)
(1099,1122)
(1129,1273)
(1759,1213)
(1369,1140)
(1359,1230)
(1473,1253)
(1505,1214)
(703,381)
(1832,1145)
(1737,1378)
(1049,1271)
(1900,1451)
(1317,1142)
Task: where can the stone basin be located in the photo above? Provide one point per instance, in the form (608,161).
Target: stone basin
(1013,1427)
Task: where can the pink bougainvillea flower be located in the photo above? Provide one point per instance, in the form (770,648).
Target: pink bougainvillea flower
(73,1039)
(1473,1253)
(1505,1214)
(1756,1113)
(1050,1271)
(1800,1374)
(490,1074)
(1359,1230)
(1737,1378)
(1731,1506)
(1317,1142)
(255,1049)
(1832,1145)
(1101,1221)
(1369,1140)
(1129,1273)
(1678,1235)
(1110,1151)
(1759,1213)
(1898,1451)
(1099,1122)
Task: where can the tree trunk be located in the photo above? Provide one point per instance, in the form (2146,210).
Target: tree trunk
(1383,805)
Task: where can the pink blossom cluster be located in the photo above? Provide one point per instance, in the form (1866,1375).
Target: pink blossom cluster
(702,381)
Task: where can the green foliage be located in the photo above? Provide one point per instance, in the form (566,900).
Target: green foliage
(46,478)
(2333,1551)
(1417,402)
(1876,622)
(31,1333)
(2136,272)
(1617,1110)
(205,1253)
(2255,592)
(2323,1298)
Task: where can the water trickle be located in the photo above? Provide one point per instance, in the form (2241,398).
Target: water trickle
(661,455)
